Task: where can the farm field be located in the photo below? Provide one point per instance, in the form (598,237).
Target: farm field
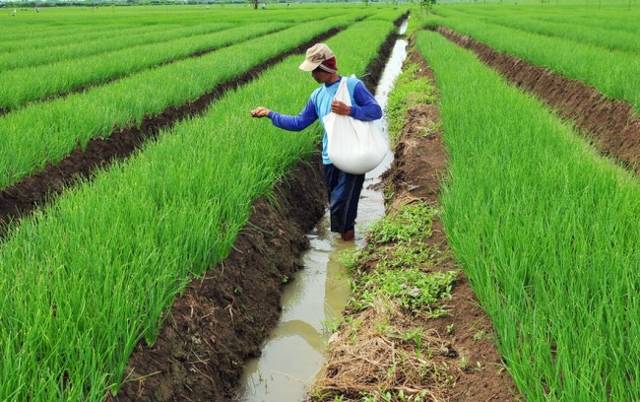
(107,258)
(543,224)
(520,129)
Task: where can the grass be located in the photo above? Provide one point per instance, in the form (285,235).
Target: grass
(410,90)
(403,224)
(545,229)
(91,275)
(399,272)
(45,133)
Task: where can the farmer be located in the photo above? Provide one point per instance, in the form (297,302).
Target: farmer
(344,188)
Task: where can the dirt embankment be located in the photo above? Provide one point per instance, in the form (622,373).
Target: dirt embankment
(221,320)
(387,350)
(38,189)
(419,167)
(613,125)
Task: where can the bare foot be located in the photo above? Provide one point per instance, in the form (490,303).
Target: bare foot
(348,235)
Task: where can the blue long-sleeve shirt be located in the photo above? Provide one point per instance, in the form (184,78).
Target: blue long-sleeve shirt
(363,107)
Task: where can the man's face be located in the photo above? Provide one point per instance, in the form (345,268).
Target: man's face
(320,76)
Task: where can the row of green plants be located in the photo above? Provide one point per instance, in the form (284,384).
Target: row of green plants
(609,38)
(67,25)
(86,279)
(28,84)
(46,132)
(613,23)
(612,73)
(26,57)
(545,228)
(26,38)
(68,40)
(611,18)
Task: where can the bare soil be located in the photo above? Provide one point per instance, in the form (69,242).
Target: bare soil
(222,318)
(612,125)
(38,189)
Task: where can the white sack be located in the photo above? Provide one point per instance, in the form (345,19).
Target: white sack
(354,146)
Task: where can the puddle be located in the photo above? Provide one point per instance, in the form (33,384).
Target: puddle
(295,351)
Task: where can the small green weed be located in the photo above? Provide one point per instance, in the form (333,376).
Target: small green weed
(410,222)
(480,335)
(405,256)
(411,288)
(432,127)
(409,91)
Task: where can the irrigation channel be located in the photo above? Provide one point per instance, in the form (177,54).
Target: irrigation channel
(296,349)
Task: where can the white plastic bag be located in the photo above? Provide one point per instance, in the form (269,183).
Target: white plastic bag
(354,146)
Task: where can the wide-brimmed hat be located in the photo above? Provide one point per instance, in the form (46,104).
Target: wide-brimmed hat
(316,57)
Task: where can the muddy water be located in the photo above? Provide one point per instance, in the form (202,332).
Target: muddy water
(295,351)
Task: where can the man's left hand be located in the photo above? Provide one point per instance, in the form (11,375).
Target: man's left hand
(340,108)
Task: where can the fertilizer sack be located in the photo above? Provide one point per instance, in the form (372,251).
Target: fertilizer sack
(354,146)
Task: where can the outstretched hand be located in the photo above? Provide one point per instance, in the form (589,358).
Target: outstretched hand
(260,111)
(340,108)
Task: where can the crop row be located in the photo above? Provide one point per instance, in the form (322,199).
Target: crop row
(120,39)
(612,73)
(605,22)
(546,230)
(570,29)
(67,35)
(51,39)
(116,41)
(44,133)
(28,84)
(91,275)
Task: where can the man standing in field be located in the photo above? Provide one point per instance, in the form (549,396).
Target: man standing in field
(344,188)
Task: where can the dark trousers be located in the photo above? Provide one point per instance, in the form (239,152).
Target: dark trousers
(344,193)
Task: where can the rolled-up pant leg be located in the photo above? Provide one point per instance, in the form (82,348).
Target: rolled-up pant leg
(344,192)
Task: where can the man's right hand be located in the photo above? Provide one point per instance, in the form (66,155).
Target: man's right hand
(260,111)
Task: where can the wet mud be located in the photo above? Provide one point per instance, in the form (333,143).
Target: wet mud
(611,125)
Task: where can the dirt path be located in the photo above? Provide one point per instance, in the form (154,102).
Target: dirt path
(613,125)
(456,359)
(419,167)
(38,189)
